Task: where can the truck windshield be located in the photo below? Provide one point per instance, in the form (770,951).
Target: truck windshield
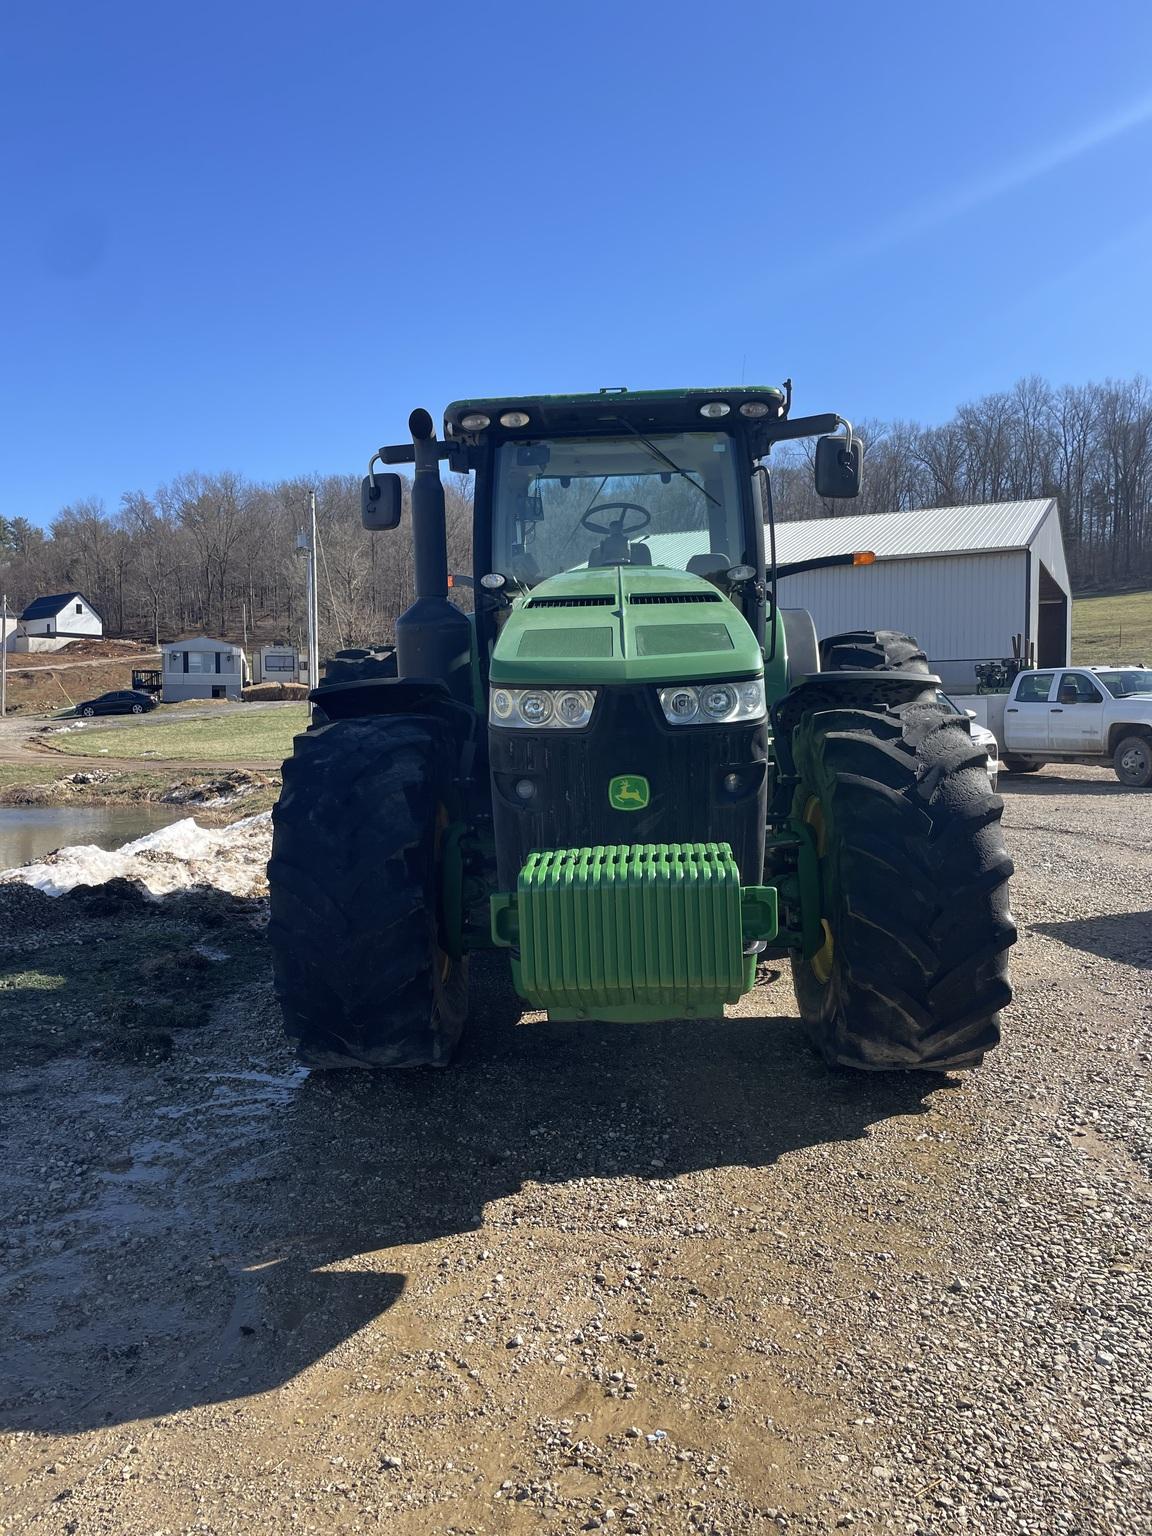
(562,504)
(1125,681)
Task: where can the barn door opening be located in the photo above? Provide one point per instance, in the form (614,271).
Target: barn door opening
(1052,626)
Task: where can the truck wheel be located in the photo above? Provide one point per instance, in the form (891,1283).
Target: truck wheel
(1132,762)
(1020,764)
(912,970)
(358,955)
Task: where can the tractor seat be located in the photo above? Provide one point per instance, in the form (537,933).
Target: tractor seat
(608,553)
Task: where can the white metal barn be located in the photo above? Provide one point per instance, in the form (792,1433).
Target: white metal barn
(964,580)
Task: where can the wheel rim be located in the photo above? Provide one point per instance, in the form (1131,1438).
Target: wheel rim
(821,961)
(1134,762)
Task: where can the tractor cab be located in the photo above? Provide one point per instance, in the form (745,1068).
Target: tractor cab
(660,478)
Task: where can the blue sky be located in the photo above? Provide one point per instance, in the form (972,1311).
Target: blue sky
(254,236)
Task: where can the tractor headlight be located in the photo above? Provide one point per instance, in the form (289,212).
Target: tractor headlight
(713,703)
(537,709)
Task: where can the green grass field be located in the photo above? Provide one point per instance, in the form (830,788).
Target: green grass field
(263,735)
(1112,629)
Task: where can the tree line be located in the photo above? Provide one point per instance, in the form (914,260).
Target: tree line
(1089,445)
(217,553)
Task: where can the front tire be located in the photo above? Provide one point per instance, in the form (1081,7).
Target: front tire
(358,950)
(1132,762)
(1020,764)
(912,970)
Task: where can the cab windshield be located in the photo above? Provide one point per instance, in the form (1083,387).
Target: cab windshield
(1125,681)
(672,499)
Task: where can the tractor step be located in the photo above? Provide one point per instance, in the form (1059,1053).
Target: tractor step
(633,931)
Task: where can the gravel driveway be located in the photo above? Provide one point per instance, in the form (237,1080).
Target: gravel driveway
(659,1279)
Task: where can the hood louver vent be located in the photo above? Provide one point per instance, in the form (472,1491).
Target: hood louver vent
(595,600)
(675,597)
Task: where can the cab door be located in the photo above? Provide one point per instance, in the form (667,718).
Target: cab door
(1026,715)
(1076,714)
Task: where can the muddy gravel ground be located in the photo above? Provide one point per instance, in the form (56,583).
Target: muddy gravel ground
(661,1279)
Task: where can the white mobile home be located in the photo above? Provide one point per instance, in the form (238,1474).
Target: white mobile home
(966,581)
(198,667)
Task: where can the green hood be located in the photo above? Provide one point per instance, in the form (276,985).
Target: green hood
(624,624)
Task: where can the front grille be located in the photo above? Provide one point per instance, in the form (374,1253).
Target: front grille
(595,601)
(675,597)
(685,767)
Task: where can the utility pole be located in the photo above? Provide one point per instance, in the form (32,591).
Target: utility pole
(314,616)
(3,656)
(306,545)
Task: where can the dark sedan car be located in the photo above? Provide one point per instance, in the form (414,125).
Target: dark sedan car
(125,701)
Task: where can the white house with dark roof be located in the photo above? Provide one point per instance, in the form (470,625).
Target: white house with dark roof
(60,617)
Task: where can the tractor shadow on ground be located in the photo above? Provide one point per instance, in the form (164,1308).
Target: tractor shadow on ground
(1125,937)
(1049,782)
(356,1163)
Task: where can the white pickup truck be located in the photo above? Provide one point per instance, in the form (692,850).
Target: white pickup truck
(1073,715)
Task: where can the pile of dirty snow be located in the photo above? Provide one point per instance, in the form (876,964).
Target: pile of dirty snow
(176,857)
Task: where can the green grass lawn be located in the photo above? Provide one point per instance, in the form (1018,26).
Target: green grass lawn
(1112,629)
(263,735)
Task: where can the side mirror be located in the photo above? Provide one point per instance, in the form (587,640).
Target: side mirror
(380,502)
(839,467)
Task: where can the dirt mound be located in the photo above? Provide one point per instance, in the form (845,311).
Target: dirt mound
(82,650)
(219,791)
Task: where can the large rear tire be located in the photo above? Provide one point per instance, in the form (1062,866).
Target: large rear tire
(359,664)
(879,650)
(912,972)
(358,953)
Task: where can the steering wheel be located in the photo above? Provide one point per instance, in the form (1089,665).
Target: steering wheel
(619,529)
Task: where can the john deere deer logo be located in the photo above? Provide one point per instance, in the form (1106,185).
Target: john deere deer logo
(628,792)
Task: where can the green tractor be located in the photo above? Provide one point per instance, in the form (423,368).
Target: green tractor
(630,770)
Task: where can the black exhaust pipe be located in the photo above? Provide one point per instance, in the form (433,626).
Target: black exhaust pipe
(433,637)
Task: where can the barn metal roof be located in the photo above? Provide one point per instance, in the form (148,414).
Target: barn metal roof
(995,525)
(49,607)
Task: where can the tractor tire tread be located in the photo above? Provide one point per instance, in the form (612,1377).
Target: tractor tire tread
(923,926)
(353,923)
(882,650)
